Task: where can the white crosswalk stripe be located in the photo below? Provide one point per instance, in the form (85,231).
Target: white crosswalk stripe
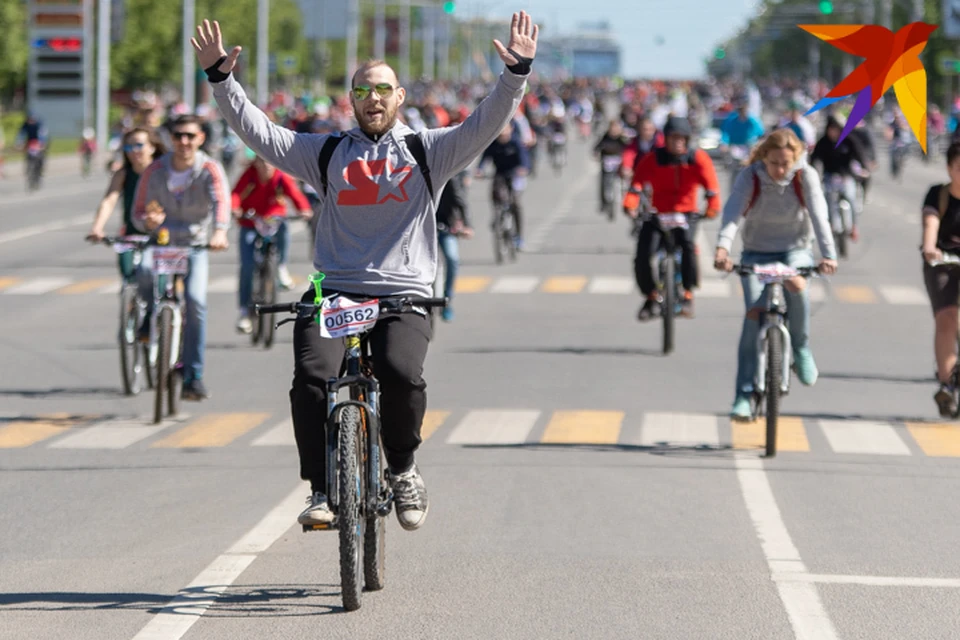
(667,428)
(856,436)
(113,434)
(611,285)
(895,294)
(492,427)
(224,284)
(280,435)
(515,284)
(38,286)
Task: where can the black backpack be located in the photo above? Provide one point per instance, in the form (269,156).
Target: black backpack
(414,144)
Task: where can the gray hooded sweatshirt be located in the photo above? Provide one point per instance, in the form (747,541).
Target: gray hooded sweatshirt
(377,227)
(777,223)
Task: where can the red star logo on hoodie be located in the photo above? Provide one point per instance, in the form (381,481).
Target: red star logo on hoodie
(374,182)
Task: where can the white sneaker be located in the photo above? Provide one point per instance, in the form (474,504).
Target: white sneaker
(283,275)
(318,511)
(244,324)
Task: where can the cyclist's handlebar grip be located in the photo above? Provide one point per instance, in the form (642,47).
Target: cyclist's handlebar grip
(430,303)
(286,307)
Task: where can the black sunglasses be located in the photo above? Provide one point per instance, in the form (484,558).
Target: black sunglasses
(383,89)
(176,135)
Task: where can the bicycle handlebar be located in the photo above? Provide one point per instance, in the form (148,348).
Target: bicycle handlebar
(398,304)
(152,242)
(745,269)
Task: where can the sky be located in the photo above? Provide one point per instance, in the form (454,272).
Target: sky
(691,29)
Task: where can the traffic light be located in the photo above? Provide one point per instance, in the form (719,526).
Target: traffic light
(719,54)
(448,7)
(826,7)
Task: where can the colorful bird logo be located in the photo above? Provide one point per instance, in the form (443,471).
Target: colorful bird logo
(892,59)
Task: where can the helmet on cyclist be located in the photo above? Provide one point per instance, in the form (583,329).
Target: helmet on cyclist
(677,126)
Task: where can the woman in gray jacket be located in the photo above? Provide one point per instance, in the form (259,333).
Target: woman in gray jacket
(779,201)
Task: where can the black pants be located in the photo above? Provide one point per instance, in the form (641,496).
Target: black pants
(503,193)
(398,345)
(648,241)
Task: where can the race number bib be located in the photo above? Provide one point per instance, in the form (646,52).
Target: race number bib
(340,317)
(171,260)
(611,163)
(773,272)
(673,220)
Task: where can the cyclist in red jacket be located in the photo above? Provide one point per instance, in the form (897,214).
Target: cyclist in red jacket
(263,188)
(674,172)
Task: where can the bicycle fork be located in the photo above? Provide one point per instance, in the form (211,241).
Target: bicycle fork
(776,309)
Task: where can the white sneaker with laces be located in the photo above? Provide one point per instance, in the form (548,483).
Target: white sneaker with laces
(283,275)
(317,511)
(409,497)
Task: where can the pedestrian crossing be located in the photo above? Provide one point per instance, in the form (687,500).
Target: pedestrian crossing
(466,285)
(482,428)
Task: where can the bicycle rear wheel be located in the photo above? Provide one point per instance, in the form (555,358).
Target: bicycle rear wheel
(164,335)
(131,361)
(668,307)
(375,530)
(774,380)
(175,379)
(497,237)
(351,524)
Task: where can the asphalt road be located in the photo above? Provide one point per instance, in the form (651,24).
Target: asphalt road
(582,485)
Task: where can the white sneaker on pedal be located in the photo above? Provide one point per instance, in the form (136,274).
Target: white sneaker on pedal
(318,512)
(409,497)
(244,324)
(283,275)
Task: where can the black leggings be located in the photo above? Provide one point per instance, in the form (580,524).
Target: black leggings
(648,241)
(398,345)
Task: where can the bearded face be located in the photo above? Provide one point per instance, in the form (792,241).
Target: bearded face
(376,98)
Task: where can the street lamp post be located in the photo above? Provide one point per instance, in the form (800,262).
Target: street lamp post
(189,63)
(263,67)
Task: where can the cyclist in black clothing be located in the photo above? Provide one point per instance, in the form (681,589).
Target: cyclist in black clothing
(610,150)
(510,160)
(862,136)
(837,160)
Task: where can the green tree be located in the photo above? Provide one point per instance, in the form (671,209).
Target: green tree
(13,46)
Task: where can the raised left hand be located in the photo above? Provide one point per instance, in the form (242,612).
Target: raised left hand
(523,39)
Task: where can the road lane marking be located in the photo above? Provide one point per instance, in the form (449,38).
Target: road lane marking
(713,289)
(279,435)
(860,436)
(8,282)
(26,232)
(214,430)
(534,242)
(855,294)
(471,284)
(23,433)
(432,421)
(938,440)
(876,581)
(37,286)
(894,294)
(753,435)
(177,616)
(583,427)
(806,612)
(564,284)
(111,434)
(683,429)
(86,286)
(494,427)
(223,284)
(615,285)
(515,284)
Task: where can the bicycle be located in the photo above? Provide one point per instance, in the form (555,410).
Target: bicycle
(774,352)
(951,260)
(841,212)
(504,220)
(557,148)
(358,493)
(170,267)
(133,312)
(611,185)
(266,258)
(669,260)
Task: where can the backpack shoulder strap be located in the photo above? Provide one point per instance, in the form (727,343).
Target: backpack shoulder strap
(943,199)
(756,191)
(415,145)
(798,187)
(326,152)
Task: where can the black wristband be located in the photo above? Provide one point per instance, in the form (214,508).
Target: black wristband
(523,65)
(213,71)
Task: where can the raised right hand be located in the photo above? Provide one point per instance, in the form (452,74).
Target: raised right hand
(209,47)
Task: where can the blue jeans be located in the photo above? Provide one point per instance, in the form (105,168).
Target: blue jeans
(451,255)
(195,320)
(246,239)
(798,312)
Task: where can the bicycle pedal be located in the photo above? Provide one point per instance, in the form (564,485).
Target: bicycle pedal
(318,527)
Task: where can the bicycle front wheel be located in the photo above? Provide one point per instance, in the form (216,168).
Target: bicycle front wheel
(774,380)
(669,306)
(351,523)
(131,363)
(164,336)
